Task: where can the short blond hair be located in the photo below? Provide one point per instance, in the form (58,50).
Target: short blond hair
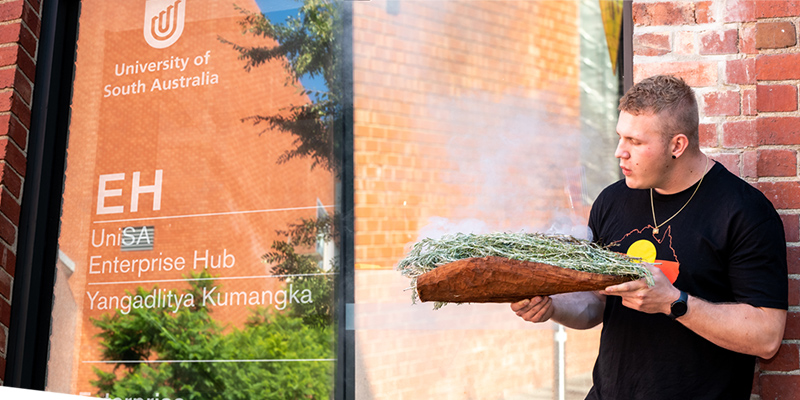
(671,99)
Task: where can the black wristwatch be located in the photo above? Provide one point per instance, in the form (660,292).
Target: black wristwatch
(679,307)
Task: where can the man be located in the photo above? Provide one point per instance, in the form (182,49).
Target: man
(720,293)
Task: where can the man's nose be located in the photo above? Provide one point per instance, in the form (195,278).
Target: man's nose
(621,152)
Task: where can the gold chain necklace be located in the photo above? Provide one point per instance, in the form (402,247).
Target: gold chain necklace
(653,208)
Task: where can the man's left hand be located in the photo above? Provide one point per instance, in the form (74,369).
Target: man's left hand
(649,299)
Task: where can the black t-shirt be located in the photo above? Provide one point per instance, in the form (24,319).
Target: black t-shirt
(726,245)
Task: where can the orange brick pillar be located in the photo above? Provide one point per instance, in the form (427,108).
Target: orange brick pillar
(743,59)
(20,21)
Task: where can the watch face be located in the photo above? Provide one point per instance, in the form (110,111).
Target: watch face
(679,308)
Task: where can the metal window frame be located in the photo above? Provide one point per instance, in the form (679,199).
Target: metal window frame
(344,386)
(37,247)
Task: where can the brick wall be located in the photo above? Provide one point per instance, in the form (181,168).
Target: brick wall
(20,21)
(743,59)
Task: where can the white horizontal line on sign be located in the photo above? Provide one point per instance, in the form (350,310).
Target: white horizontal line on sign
(205,361)
(212,214)
(219,278)
(11,393)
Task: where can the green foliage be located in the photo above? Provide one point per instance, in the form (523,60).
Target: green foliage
(191,334)
(286,338)
(305,268)
(307,46)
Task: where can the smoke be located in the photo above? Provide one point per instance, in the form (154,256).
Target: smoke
(514,166)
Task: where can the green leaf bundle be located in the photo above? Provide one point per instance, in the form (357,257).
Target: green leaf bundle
(556,250)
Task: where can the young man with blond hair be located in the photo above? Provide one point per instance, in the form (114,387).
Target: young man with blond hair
(719,255)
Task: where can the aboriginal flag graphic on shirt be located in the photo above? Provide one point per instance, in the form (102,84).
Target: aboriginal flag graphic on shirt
(652,248)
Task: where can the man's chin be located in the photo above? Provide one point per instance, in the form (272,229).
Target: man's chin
(632,184)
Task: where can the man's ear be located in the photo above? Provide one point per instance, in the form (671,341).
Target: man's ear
(678,144)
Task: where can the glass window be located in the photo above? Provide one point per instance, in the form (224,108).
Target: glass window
(199,243)
(197,252)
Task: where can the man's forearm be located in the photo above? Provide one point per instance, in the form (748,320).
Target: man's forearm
(579,310)
(737,327)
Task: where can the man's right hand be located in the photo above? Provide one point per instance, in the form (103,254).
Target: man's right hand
(537,309)
(578,310)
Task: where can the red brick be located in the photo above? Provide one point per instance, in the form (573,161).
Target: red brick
(719,42)
(778,130)
(749,102)
(787,359)
(663,13)
(6,99)
(737,134)
(8,55)
(739,11)
(23,87)
(7,77)
(651,44)
(794,292)
(777,162)
(11,10)
(779,387)
(778,67)
(28,40)
(721,103)
(683,42)
(36,5)
(2,366)
(783,195)
(741,71)
(17,132)
(26,64)
(8,231)
(776,98)
(708,135)
(792,330)
(3,342)
(703,13)
(750,164)
(8,260)
(747,40)
(10,179)
(791,224)
(32,19)
(13,156)
(5,312)
(9,33)
(777,8)
(21,110)
(5,286)
(729,161)
(9,206)
(756,381)
(696,74)
(775,35)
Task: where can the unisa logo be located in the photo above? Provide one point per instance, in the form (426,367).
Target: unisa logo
(163,22)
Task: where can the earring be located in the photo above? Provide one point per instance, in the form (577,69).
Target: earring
(673,157)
